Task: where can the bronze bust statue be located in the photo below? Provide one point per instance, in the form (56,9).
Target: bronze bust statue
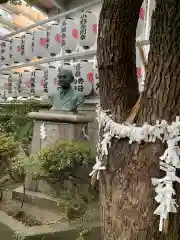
(66,98)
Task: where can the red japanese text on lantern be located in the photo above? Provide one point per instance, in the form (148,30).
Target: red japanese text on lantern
(90,77)
(95,28)
(6,85)
(141,13)
(42,82)
(42,41)
(19,49)
(75,33)
(28,84)
(58,38)
(139,72)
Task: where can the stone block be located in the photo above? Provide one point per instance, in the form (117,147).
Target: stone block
(11,229)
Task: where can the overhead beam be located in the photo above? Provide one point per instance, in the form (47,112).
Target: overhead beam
(51,59)
(57,17)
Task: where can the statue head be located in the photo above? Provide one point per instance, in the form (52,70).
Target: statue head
(65,78)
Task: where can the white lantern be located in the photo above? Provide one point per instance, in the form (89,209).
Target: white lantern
(141,23)
(54,39)
(69,35)
(96,79)
(83,74)
(4,85)
(88,30)
(37,82)
(16,50)
(140,71)
(6,57)
(25,83)
(13,83)
(50,80)
(40,43)
(27,46)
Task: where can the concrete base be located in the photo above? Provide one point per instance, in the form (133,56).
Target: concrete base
(36,198)
(12,229)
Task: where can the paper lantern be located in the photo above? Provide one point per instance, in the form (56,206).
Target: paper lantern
(37,82)
(13,84)
(141,22)
(83,74)
(50,80)
(96,79)
(16,50)
(69,35)
(40,43)
(54,39)
(140,71)
(25,83)
(27,46)
(4,85)
(88,30)
(6,57)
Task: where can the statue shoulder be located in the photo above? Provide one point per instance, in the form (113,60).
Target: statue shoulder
(79,98)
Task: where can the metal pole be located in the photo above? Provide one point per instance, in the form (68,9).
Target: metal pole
(51,19)
(90,53)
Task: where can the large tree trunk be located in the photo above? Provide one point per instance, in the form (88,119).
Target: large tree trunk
(127,195)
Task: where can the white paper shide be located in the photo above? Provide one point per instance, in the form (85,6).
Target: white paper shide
(169,161)
(43,133)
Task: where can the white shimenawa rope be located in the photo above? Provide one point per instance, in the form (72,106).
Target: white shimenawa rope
(169,161)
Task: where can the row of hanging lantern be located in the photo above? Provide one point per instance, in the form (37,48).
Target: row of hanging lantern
(45,83)
(42,43)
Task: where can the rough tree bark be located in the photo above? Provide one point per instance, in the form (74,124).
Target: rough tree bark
(127,202)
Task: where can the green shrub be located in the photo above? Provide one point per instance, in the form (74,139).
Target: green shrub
(14,120)
(8,149)
(58,161)
(66,166)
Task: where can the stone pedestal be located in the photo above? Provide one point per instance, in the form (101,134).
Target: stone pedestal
(59,126)
(88,108)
